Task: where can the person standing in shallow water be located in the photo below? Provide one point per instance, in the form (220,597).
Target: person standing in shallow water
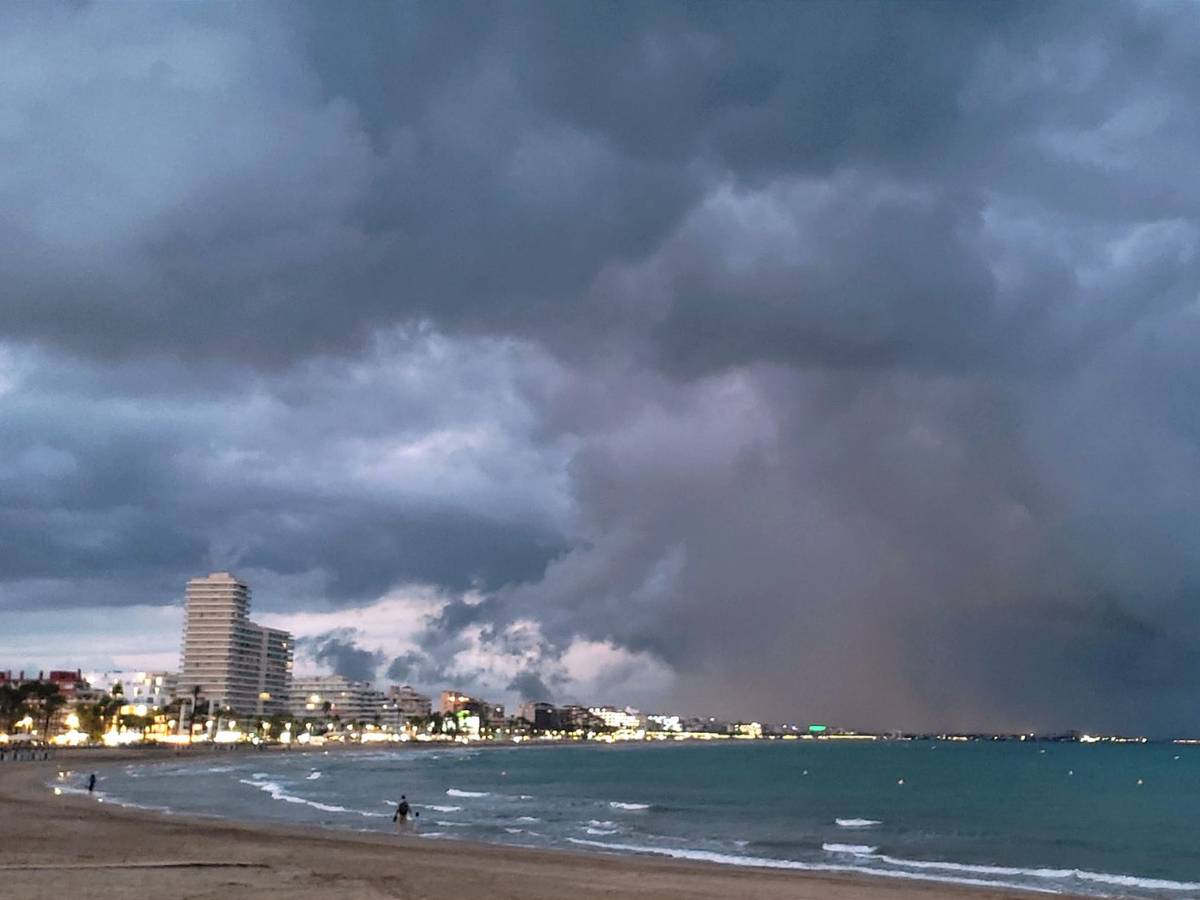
(91,782)
(401,815)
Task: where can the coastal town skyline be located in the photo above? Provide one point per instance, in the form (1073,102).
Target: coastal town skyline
(331,686)
(237,668)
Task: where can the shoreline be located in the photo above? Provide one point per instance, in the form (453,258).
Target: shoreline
(72,844)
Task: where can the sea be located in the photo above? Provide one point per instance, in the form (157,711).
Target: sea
(1100,819)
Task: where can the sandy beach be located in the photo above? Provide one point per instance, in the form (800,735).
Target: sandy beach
(55,846)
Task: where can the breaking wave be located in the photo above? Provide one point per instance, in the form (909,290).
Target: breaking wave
(278,792)
(852,849)
(767,863)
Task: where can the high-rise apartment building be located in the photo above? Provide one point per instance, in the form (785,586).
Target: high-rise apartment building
(275,671)
(234,663)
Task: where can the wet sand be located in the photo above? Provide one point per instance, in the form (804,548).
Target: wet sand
(72,846)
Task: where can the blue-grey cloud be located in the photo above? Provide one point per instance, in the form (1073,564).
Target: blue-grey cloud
(773,342)
(339,650)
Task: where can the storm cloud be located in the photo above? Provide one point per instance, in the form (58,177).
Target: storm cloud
(339,650)
(788,360)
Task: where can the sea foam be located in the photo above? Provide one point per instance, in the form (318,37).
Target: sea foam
(768,863)
(616,804)
(852,849)
(455,792)
(278,792)
(600,827)
(857,823)
(1046,873)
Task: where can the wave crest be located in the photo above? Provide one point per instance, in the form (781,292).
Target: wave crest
(278,792)
(455,792)
(852,849)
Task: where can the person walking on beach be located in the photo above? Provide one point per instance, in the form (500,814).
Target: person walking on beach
(401,815)
(91,782)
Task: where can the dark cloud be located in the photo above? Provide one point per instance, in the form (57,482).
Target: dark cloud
(839,279)
(530,686)
(103,480)
(455,615)
(440,171)
(419,667)
(340,651)
(839,358)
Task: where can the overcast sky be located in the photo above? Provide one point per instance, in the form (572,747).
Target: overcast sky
(803,361)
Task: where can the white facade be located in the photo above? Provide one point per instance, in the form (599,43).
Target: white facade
(350,701)
(153,689)
(230,660)
(663,723)
(621,719)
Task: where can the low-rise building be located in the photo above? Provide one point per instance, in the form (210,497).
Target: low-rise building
(617,719)
(661,723)
(402,705)
(68,681)
(578,719)
(327,696)
(494,714)
(452,702)
(746,729)
(151,689)
(541,715)
(410,702)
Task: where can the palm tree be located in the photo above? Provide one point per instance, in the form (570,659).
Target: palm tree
(109,709)
(11,704)
(92,717)
(192,711)
(52,701)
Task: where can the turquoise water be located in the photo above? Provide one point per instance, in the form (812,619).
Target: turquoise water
(1056,817)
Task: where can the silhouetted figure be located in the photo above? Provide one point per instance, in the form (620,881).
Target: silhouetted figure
(91,782)
(400,817)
